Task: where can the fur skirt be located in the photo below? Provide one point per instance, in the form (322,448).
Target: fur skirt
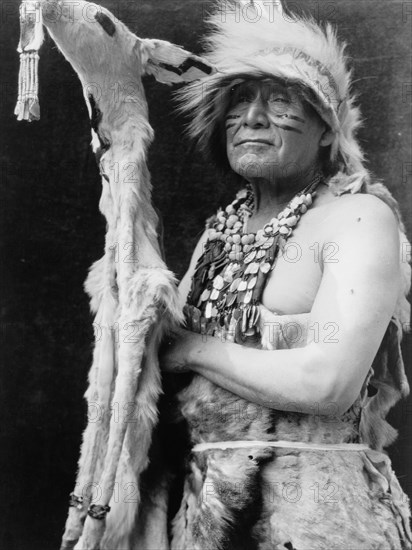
(269,498)
(243,499)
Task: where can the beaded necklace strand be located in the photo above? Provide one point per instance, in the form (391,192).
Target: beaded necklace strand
(230,275)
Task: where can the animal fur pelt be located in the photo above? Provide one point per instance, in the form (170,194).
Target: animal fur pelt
(130,287)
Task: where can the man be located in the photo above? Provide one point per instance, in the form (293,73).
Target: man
(269,412)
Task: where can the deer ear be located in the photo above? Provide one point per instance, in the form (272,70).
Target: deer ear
(171,64)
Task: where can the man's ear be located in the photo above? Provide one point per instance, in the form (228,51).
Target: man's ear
(327,137)
(171,64)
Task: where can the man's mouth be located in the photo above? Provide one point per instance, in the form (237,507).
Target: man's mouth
(251,140)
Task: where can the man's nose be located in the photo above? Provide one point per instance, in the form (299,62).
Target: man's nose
(256,115)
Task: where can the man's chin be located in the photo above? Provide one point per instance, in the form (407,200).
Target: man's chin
(255,165)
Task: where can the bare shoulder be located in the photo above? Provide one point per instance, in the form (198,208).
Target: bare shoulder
(360,213)
(367,203)
(365,231)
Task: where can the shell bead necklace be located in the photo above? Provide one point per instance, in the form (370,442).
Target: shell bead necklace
(229,278)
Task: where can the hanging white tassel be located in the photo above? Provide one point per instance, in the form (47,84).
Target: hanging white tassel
(31,38)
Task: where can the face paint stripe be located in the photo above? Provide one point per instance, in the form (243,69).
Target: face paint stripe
(294,117)
(286,127)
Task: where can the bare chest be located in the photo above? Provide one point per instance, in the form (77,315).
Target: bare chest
(293,283)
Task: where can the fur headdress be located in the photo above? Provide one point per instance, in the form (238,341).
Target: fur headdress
(259,40)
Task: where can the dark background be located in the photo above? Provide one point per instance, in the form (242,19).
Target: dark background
(51,231)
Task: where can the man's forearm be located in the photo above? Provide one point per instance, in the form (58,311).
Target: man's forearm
(278,379)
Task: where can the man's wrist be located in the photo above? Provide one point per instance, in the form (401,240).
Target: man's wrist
(195,352)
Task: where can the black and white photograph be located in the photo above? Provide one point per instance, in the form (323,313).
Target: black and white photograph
(205,274)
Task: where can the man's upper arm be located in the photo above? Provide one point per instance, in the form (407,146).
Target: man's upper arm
(185,283)
(357,295)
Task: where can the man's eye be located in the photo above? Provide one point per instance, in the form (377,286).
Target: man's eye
(278,99)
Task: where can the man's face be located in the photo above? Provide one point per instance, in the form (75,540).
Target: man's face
(270,132)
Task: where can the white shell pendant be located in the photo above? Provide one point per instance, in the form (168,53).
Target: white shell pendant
(253,268)
(250,257)
(214,295)
(291,221)
(208,310)
(218,282)
(270,241)
(234,286)
(230,335)
(205,295)
(252,283)
(248,297)
(242,286)
(244,320)
(256,315)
